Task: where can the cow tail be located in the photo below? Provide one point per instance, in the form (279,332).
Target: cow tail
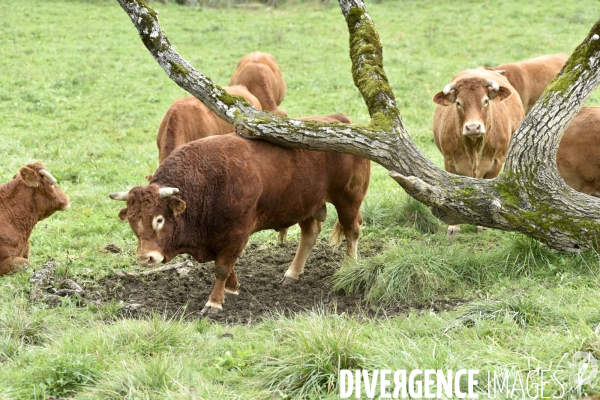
(336,235)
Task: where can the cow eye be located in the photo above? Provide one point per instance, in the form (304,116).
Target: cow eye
(458,104)
(158,222)
(486,102)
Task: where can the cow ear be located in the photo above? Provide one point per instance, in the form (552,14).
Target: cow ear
(500,94)
(123,214)
(176,205)
(444,100)
(29,176)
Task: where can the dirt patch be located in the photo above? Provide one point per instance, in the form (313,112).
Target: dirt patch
(259,270)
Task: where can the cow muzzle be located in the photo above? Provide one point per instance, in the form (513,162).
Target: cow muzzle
(150,258)
(473,129)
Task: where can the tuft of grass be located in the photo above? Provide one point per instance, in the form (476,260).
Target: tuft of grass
(139,378)
(316,347)
(523,311)
(418,216)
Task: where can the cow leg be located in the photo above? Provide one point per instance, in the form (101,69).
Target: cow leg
(309,231)
(12,264)
(453,230)
(231,285)
(480,229)
(223,270)
(349,221)
(282,235)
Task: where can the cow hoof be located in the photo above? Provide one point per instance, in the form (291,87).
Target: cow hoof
(235,292)
(288,280)
(210,310)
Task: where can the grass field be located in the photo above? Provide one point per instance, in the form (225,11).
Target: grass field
(80,93)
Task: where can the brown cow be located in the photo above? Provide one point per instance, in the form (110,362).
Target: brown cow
(261,75)
(578,157)
(530,77)
(30,197)
(210,195)
(476,116)
(188,119)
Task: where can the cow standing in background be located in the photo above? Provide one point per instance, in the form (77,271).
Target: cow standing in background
(530,77)
(260,73)
(189,119)
(30,197)
(210,195)
(477,114)
(578,157)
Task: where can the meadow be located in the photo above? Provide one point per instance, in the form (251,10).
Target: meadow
(79,92)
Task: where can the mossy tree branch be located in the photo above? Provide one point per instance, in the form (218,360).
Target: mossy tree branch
(518,200)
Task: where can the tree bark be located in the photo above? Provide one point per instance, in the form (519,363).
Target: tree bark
(529,196)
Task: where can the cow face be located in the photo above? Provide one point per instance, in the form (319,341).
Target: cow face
(152,216)
(47,196)
(472,99)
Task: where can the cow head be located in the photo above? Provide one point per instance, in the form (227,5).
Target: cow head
(471,97)
(47,197)
(152,213)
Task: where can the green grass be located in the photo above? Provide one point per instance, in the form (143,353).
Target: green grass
(81,94)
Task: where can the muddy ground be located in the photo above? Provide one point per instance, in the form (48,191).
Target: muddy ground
(259,271)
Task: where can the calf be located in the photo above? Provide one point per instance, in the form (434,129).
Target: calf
(530,77)
(578,157)
(260,73)
(30,197)
(477,113)
(210,195)
(188,119)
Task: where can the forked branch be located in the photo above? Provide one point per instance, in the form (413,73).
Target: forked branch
(530,197)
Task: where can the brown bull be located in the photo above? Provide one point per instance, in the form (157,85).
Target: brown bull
(210,195)
(578,157)
(30,197)
(260,73)
(188,119)
(477,114)
(530,77)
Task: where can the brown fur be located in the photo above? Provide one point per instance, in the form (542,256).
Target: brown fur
(24,201)
(477,157)
(233,187)
(188,119)
(578,157)
(260,73)
(530,77)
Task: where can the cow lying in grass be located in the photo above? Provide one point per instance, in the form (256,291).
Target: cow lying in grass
(210,195)
(260,73)
(30,197)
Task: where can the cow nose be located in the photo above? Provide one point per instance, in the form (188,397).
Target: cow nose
(473,129)
(150,258)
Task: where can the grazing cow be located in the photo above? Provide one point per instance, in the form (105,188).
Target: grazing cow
(530,77)
(578,157)
(30,197)
(188,119)
(261,75)
(210,195)
(477,113)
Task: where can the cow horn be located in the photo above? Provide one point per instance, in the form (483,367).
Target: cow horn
(167,192)
(493,84)
(122,196)
(48,175)
(448,88)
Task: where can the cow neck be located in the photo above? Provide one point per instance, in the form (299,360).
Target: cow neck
(21,214)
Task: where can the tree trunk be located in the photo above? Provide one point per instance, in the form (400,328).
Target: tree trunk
(529,196)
